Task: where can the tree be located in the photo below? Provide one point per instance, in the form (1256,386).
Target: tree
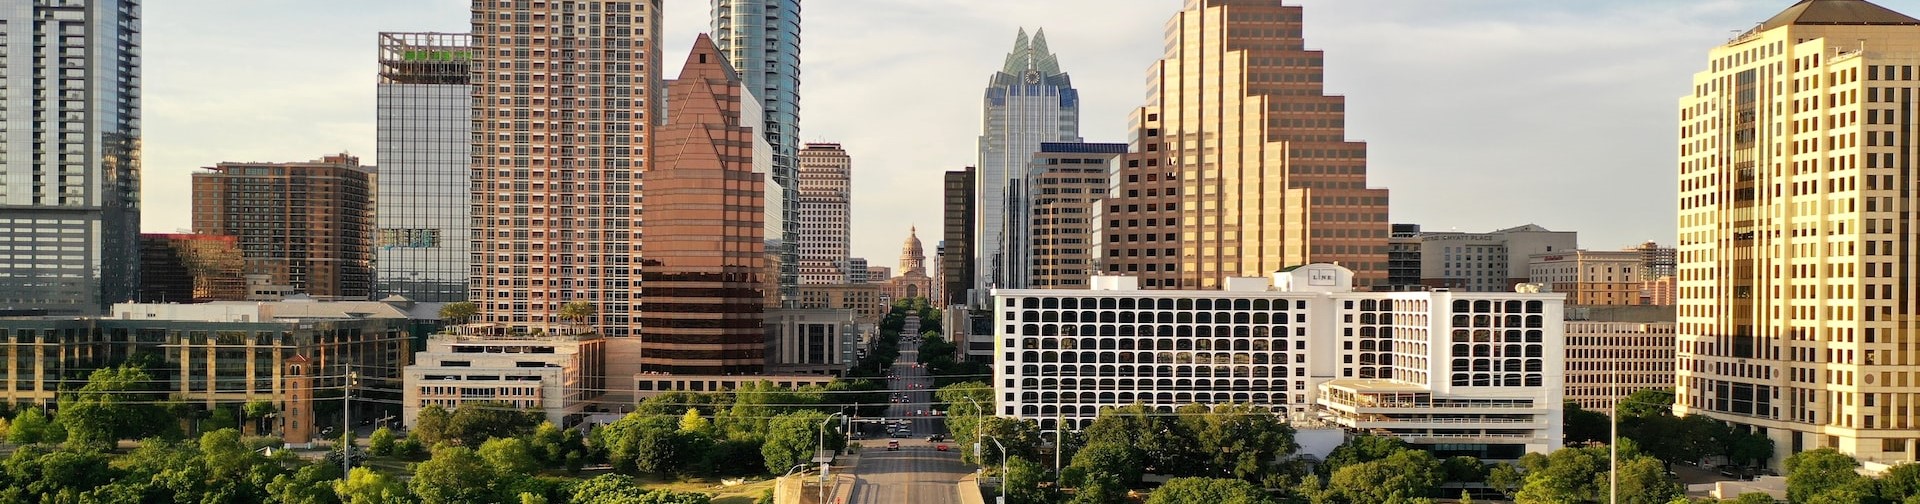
(1362,448)
(1567,475)
(1464,469)
(791,439)
(431,426)
(458,312)
(661,451)
(367,486)
(1646,403)
(454,474)
(1098,487)
(508,456)
(692,422)
(1122,460)
(31,426)
(1584,426)
(310,484)
(1816,472)
(258,411)
(1506,478)
(1242,440)
(116,403)
(381,442)
(476,422)
(1900,482)
(1209,490)
(578,312)
(1169,446)
(1403,475)
(1644,480)
(1752,498)
(1023,479)
(620,489)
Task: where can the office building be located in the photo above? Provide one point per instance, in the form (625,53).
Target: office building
(705,254)
(227,353)
(70,172)
(868,301)
(1240,165)
(565,102)
(308,225)
(424,114)
(1486,262)
(1029,101)
(1656,261)
(1795,270)
(557,374)
(1403,258)
(826,210)
(1614,351)
(762,40)
(957,246)
(1591,277)
(879,274)
(191,268)
(1461,373)
(1051,221)
(857,270)
(811,341)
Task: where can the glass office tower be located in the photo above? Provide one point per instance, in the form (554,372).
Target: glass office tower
(69,154)
(1027,102)
(425,142)
(762,40)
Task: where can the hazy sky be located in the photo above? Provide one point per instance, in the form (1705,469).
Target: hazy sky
(1478,114)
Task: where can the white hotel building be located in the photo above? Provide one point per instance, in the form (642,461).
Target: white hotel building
(1477,373)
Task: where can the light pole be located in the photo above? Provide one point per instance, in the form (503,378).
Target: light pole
(1003,470)
(979,420)
(825,460)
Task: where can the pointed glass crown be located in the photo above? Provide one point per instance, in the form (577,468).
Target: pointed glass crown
(1031,54)
(1837,12)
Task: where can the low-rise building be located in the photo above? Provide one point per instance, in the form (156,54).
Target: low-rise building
(557,373)
(869,301)
(1614,351)
(811,341)
(1591,277)
(296,354)
(652,384)
(1475,373)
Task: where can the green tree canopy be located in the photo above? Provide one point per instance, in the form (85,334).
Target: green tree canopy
(431,426)
(1405,474)
(367,486)
(458,312)
(454,474)
(1820,472)
(792,438)
(116,403)
(1362,448)
(475,423)
(31,426)
(1208,490)
(509,456)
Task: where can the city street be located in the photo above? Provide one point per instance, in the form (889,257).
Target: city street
(918,473)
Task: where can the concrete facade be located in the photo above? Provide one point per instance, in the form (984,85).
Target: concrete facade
(826,212)
(1464,373)
(557,375)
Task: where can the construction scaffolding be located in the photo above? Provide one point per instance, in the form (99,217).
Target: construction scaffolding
(426,58)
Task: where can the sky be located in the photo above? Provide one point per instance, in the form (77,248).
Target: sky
(1478,114)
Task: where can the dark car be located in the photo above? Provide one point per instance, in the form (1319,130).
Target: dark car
(937,437)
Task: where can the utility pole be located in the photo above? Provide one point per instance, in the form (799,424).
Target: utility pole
(1059,444)
(1613,433)
(346,418)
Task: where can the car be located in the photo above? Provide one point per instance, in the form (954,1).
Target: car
(941,447)
(937,437)
(893,446)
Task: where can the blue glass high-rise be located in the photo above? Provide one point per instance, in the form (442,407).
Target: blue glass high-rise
(69,154)
(762,40)
(425,106)
(1029,101)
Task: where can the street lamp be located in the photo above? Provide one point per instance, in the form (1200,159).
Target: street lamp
(1003,468)
(824,460)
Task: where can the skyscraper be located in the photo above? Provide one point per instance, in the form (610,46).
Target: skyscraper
(307,225)
(826,209)
(1052,224)
(762,40)
(1029,101)
(425,130)
(564,107)
(956,259)
(1795,264)
(1240,162)
(71,170)
(704,255)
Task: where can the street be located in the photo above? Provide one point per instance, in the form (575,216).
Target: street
(918,473)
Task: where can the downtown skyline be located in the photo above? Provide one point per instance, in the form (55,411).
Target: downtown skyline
(1566,109)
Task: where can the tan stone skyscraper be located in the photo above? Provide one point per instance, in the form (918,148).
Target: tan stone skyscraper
(564,96)
(1796,258)
(825,178)
(1240,162)
(705,253)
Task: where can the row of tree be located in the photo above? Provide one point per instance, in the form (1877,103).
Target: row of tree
(1647,417)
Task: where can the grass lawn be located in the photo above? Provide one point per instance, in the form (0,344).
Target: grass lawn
(746,493)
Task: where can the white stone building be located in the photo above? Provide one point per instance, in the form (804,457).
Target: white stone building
(555,374)
(1462,373)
